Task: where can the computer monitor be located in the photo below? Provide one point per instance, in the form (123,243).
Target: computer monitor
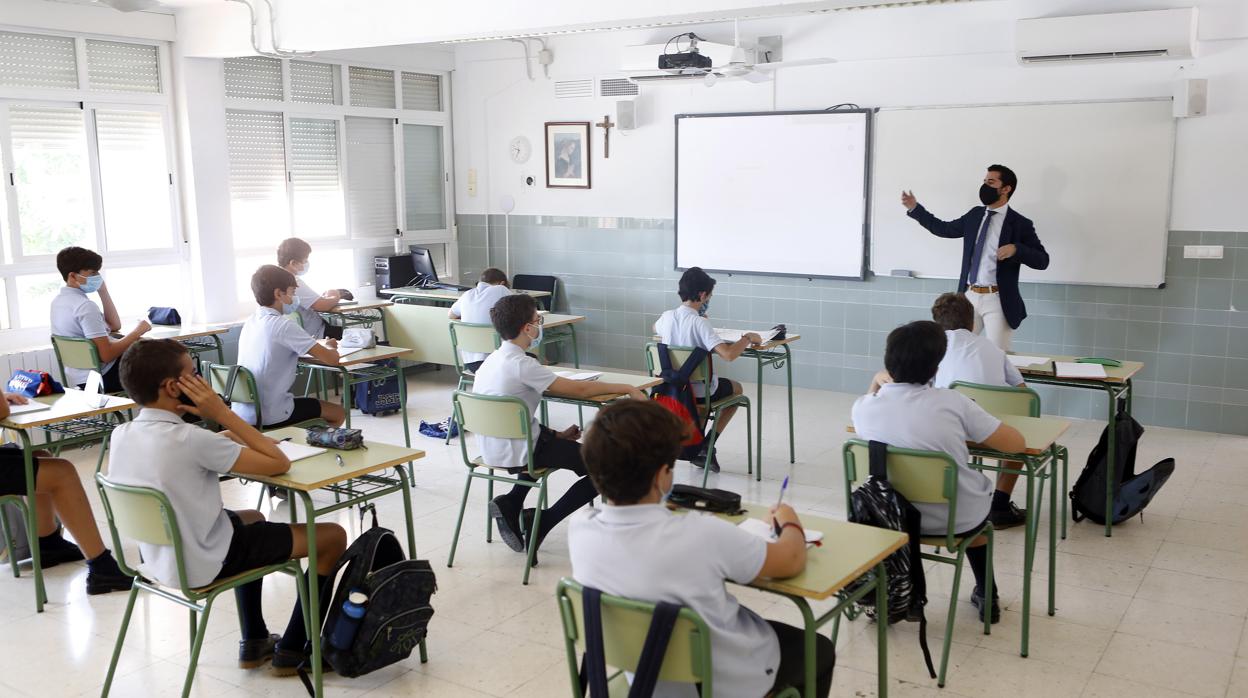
(422,264)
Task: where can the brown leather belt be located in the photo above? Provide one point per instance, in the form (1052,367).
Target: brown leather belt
(982,289)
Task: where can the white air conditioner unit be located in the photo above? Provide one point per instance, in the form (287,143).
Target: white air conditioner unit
(1117,36)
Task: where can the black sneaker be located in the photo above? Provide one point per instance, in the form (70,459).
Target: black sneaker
(254,653)
(507,520)
(526,519)
(289,662)
(1008,517)
(977,600)
(53,550)
(103,575)
(700,460)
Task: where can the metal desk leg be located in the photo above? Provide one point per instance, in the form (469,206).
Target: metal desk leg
(32,521)
(881,629)
(407,508)
(1053,531)
(346,396)
(758,418)
(1112,462)
(402,378)
(314,592)
(788,365)
(1029,546)
(576,362)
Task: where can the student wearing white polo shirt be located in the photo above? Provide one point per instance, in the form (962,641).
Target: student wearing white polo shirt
(973,358)
(158,450)
(632,546)
(688,326)
(474,306)
(902,409)
(292,255)
(270,345)
(74,314)
(510,371)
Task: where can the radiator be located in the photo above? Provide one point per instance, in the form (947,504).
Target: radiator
(42,359)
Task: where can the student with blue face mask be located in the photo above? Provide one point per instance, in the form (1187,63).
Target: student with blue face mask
(270,345)
(75,314)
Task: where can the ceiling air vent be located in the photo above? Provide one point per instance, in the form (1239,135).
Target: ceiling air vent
(574,89)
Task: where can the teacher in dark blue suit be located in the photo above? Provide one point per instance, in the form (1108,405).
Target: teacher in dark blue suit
(996,241)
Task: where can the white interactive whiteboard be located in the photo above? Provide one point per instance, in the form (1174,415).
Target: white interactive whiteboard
(1093,177)
(773,192)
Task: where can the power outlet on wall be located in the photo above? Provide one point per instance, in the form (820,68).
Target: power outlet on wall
(1202,252)
(472,181)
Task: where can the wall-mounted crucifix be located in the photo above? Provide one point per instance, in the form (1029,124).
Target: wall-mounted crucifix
(606,126)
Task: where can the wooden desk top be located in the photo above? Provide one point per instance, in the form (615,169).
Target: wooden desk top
(184,331)
(356,306)
(363,356)
(68,406)
(441,294)
(1113,374)
(321,470)
(639,381)
(1039,433)
(557,320)
(849,550)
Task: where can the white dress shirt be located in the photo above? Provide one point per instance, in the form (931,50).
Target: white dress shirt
(74,314)
(511,372)
(270,345)
(973,358)
(684,327)
(988,257)
(474,306)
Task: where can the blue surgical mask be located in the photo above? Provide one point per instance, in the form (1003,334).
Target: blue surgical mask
(307,266)
(288,308)
(538,339)
(92,284)
(706,306)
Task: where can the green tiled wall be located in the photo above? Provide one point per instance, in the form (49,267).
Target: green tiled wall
(618,273)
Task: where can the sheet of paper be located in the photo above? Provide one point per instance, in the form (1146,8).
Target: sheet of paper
(1070,369)
(28,407)
(1021,361)
(735,335)
(762,529)
(579,375)
(296,451)
(347,351)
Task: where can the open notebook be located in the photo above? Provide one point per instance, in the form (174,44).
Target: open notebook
(296,451)
(28,407)
(763,530)
(735,335)
(1070,369)
(579,375)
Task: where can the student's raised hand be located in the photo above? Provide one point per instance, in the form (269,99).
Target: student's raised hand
(908,200)
(784,514)
(572,433)
(208,405)
(15,399)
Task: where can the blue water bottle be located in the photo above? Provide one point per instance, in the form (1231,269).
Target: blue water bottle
(349,622)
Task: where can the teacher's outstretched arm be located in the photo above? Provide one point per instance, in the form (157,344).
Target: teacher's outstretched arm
(934,225)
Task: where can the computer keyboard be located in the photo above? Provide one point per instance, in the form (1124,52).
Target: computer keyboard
(448,287)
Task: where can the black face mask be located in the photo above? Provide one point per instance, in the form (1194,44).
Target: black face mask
(988,195)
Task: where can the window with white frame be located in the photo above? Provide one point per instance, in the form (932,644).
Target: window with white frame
(86,149)
(343,154)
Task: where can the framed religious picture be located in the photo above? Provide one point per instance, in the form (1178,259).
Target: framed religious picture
(567,154)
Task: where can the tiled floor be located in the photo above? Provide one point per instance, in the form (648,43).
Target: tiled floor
(1158,610)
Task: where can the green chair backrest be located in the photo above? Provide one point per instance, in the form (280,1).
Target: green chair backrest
(144,515)
(625,623)
(244,388)
(498,416)
(472,337)
(1001,400)
(927,477)
(678,356)
(75,352)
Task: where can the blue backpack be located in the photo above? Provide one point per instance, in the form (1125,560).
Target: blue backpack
(379,397)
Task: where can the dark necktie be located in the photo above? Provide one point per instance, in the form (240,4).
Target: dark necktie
(979,248)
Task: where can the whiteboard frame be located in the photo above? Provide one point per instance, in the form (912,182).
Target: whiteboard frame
(866,190)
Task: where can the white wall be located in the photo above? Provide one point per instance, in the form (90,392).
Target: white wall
(66,17)
(949,54)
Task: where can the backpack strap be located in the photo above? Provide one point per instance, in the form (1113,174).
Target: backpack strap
(593,663)
(654,649)
(918,580)
(878,454)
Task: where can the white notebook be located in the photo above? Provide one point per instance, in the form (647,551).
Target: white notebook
(1070,369)
(1021,361)
(579,375)
(762,529)
(296,451)
(28,407)
(735,335)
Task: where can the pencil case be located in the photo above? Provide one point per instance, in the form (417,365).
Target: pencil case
(339,438)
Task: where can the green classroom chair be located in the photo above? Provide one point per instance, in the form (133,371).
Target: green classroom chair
(473,337)
(145,515)
(926,477)
(312,369)
(503,417)
(625,623)
(77,352)
(678,356)
(1021,401)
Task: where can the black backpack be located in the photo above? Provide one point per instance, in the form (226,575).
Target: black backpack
(876,503)
(397,616)
(1132,492)
(676,392)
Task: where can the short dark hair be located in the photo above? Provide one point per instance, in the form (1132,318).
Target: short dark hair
(511,313)
(1008,178)
(952,311)
(147,364)
(292,250)
(913,352)
(630,441)
(268,279)
(493,276)
(72,260)
(693,283)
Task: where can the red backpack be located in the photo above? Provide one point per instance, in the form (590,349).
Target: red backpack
(676,396)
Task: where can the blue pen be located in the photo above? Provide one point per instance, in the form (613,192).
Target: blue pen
(783,487)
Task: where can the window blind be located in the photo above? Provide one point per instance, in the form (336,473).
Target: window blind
(316,192)
(134,178)
(313,83)
(255,142)
(52,177)
(122,67)
(421,91)
(370,177)
(36,60)
(254,77)
(371,87)
(423,177)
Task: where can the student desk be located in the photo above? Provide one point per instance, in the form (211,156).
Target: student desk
(357,367)
(75,423)
(355,313)
(637,380)
(775,353)
(439,296)
(565,326)
(198,339)
(1040,436)
(357,478)
(849,552)
(1115,385)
